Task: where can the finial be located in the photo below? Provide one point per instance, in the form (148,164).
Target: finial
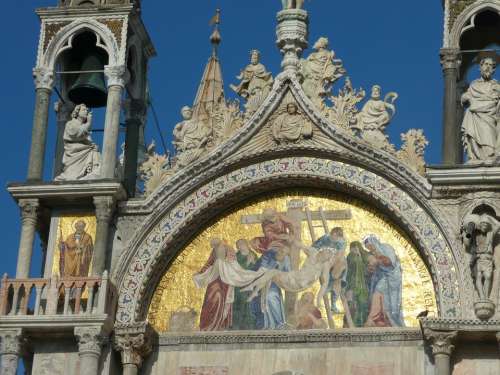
(215,38)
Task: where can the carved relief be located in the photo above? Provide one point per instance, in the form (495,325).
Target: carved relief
(344,110)
(291,126)
(413,149)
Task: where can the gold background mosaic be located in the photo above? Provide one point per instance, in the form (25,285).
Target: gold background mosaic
(177,291)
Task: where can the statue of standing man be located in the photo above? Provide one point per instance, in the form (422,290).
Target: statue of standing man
(292,4)
(481,119)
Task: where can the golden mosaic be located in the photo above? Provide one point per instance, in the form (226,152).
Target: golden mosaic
(299,260)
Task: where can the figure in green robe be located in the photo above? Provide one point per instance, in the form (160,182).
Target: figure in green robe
(357,287)
(243,318)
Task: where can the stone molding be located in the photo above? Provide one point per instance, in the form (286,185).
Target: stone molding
(441,342)
(11,342)
(90,340)
(134,342)
(44,78)
(104,208)
(290,337)
(115,75)
(30,210)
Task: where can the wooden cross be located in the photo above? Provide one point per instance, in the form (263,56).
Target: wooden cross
(297,213)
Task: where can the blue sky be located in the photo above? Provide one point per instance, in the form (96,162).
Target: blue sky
(393,43)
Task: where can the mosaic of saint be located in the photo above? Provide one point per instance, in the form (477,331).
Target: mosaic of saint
(295,261)
(74,246)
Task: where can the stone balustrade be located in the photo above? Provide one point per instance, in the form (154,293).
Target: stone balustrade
(66,296)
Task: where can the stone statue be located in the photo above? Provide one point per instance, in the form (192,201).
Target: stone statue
(291,126)
(479,238)
(81,160)
(191,137)
(374,118)
(292,4)
(320,71)
(256,83)
(481,119)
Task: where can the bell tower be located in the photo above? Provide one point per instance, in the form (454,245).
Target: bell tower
(471,32)
(92,63)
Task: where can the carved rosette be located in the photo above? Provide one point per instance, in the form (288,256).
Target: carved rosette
(134,342)
(116,75)
(104,208)
(30,209)
(90,340)
(441,341)
(44,78)
(292,32)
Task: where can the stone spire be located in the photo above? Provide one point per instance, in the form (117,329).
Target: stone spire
(211,90)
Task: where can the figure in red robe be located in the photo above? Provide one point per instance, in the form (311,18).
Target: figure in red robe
(276,228)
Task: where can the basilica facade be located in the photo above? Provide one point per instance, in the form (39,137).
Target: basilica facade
(286,235)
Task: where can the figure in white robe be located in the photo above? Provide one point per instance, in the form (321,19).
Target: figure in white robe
(81,160)
(291,126)
(479,127)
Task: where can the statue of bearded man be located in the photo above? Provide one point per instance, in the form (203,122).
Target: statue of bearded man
(479,127)
(254,78)
(320,71)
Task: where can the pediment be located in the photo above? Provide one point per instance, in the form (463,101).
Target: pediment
(254,140)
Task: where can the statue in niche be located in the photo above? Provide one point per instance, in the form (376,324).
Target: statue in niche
(374,118)
(292,4)
(291,126)
(191,137)
(320,71)
(76,252)
(479,238)
(479,127)
(255,83)
(81,160)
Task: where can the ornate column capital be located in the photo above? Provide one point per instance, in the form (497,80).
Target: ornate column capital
(30,209)
(134,342)
(104,208)
(441,341)
(11,342)
(450,58)
(116,75)
(44,78)
(90,340)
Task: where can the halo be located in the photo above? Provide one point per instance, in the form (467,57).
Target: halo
(84,219)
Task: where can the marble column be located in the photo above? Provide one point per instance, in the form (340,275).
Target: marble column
(90,341)
(29,217)
(104,209)
(10,351)
(116,84)
(442,349)
(44,82)
(452,143)
(134,342)
(135,117)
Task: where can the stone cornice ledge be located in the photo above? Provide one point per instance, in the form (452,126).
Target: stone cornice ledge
(472,325)
(78,12)
(71,191)
(463,175)
(361,335)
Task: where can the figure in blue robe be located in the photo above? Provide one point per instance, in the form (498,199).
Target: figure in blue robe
(386,285)
(268,307)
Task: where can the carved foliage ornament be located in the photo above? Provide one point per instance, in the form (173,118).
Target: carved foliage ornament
(134,341)
(30,209)
(90,340)
(441,342)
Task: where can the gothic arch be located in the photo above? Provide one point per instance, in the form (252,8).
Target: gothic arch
(460,24)
(63,41)
(162,236)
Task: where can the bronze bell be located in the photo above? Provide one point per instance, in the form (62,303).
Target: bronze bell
(90,88)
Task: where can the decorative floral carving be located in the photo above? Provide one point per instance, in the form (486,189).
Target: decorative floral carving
(344,111)
(441,342)
(44,78)
(413,149)
(115,75)
(90,340)
(155,169)
(134,341)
